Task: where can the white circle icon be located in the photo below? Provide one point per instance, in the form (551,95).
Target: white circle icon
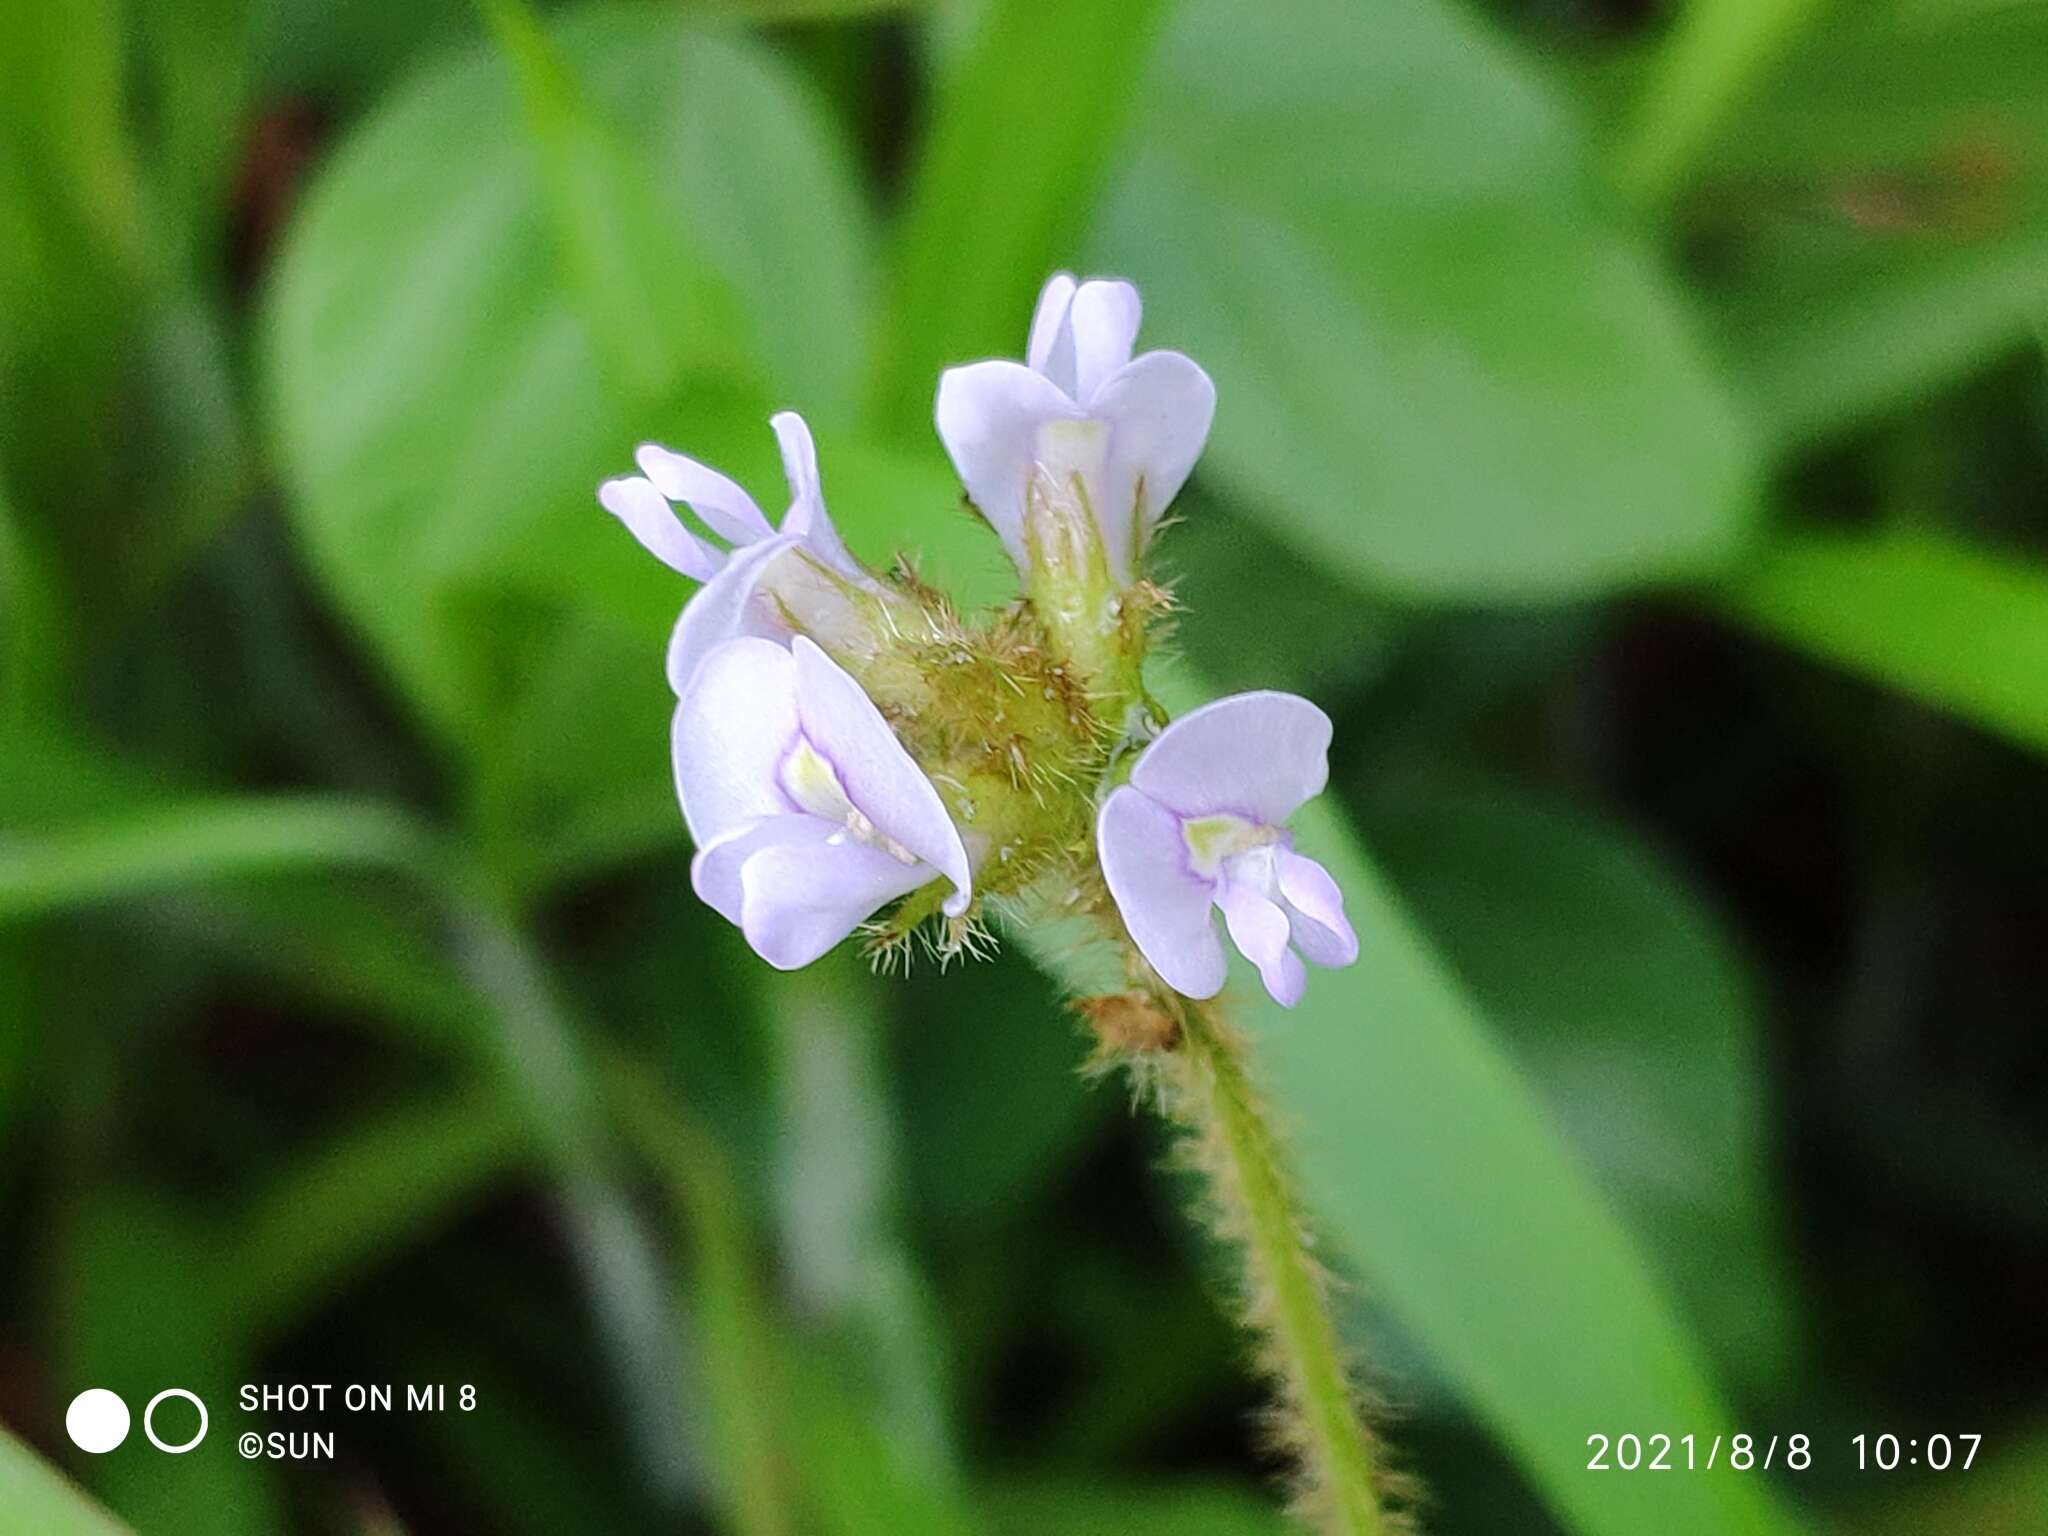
(97,1420)
(150,1412)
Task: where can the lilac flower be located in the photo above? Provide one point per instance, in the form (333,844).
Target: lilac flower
(1201,824)
(768,576)
(1129,429)
(807,812)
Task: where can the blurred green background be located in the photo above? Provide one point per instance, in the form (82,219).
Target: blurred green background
(1633,428)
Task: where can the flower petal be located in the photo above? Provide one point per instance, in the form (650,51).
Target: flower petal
(726,508)
(1050,350)
(806,516)
(1258,755)
(1159,409)
(1316,909)
(798,901)
(725,610)
(881,779)
(1259,930)
(715,871)
(650,519)
(1104,319)
(1165,905)
(989,415)
(732,728)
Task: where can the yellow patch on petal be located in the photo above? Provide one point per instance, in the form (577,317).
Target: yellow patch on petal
(1212,839)
(810,780)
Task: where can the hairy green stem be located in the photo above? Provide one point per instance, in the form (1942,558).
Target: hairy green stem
(1208,1091)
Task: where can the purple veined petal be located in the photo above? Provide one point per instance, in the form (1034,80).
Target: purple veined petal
(1104,318)
(1050,349)
(1164,904)
(650,519)
(882,780)
(798,901)
(715,870)
(1258,755)
(726,508)
(1316,907)
(725,610)
(732,728)
(1159,409)
(988,416)
(1259,930)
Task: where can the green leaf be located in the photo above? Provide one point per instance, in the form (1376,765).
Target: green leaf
(141,1314)
(28,626)
(442,412)
(990,1114)
(1716,50)
(349,1205)
(735,1335)
(1880,212)
(1021,135)
(847,1263)
(648,302)
(198,55)
(1958,629)
(1082,1510)
(1625,1005)
(1442,368)
(39,1499)
(112,857)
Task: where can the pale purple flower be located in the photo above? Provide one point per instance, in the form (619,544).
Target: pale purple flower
(1130,429)
(1202,824)
(767,576)
(807,812)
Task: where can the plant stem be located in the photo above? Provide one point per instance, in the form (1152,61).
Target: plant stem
(1209,1092)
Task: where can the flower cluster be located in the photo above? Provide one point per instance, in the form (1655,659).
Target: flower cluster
(851,752)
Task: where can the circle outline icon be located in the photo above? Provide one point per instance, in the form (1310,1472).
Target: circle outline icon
(149,1413)
(93,1415)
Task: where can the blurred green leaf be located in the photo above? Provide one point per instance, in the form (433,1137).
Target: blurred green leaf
(797,1448)
(353,944)
(801,10)
(1880,212)
(1956,628)
(847,1264)
(342,54)
(169,845)
(38,1500)
(2003,1495)
(28,626)
(442,412)
(198,56)
(860,1483)
(1827,338)
(105,326)
(1441,368)
(648,301)
(754,1468)
(1627,1008)
(1020,138)
(63,112)
(355,1201)
(142,1313)
(1085,1509)
(993,1111)
(1716,51)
